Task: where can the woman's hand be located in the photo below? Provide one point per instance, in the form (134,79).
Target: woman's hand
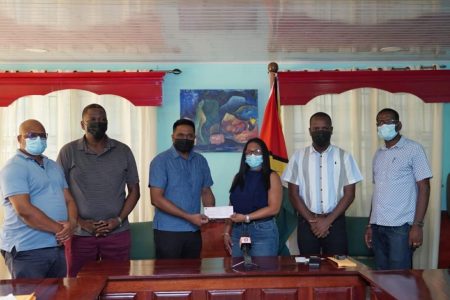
(227,242)
(237,218)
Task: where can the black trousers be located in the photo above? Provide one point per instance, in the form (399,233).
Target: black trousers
(172,244)
(334,243)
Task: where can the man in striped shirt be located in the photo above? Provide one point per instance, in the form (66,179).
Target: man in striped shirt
(321,180)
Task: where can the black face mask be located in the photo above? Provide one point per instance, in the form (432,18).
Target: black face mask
(97,129)
(183,145)
(321,137)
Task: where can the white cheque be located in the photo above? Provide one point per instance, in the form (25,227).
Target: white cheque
(218,212)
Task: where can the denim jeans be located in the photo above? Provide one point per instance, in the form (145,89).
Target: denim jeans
(37,263)
(263,235)
(391,247)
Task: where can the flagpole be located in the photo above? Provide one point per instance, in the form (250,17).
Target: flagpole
(273,70)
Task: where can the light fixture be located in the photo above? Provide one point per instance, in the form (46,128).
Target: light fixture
(390,49)
(36,50)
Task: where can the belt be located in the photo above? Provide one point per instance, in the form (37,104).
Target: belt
(256,221)
(321,215)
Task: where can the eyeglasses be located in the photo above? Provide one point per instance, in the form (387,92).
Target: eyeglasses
(255,152)
(387,122)
(35,135)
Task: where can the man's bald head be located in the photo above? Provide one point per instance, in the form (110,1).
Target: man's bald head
(31,125)
(27,127)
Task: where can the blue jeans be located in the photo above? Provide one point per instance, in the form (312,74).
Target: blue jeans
(391,247)
(37,263)
(263,235)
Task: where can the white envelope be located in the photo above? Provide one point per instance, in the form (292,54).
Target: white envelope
(218,212)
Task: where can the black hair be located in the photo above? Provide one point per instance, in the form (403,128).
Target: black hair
(321,115)
(90,106)
(239,178)
(183,122)
(390,111)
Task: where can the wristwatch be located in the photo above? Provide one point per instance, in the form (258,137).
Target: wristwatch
(247,219)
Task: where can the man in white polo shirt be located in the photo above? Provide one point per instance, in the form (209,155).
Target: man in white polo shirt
(321,180)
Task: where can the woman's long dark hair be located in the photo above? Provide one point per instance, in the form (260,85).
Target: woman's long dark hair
(239,178)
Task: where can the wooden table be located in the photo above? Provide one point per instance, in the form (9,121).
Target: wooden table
(409,284)
(52,288)
(215,278)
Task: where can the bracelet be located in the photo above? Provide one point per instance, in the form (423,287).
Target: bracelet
(418,223)
(247,219)
(120,221)
(368,226)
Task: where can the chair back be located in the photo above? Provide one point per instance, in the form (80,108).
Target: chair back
(142,243)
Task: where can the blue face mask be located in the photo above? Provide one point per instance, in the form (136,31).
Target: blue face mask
(254,161)
(35,146)
(387,132)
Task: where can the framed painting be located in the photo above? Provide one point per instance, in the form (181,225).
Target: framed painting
(224,119)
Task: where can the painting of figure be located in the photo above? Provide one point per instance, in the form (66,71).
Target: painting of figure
(224,119)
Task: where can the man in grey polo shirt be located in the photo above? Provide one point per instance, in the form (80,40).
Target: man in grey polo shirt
(98,169)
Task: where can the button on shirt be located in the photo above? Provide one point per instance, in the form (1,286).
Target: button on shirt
(45,185)
(182,181)
(396,171)
(321,177)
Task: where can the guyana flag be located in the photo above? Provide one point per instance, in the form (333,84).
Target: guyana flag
(272,134)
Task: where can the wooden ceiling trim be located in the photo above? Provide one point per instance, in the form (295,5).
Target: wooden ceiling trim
(300,87)
(140,88)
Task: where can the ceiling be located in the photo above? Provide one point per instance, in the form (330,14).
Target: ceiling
(223,30)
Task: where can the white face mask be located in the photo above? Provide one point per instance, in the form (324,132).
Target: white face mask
(387,132)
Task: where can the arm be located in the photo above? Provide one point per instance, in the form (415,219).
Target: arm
(423,197)
(130,202)
(208,198)
(33,216)
(70,225)
(226,236)
(323,224)
(275,194)
(298,203)
(368,233)
(159,201)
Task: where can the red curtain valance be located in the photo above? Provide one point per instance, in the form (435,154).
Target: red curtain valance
(140,88)
(299,87)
